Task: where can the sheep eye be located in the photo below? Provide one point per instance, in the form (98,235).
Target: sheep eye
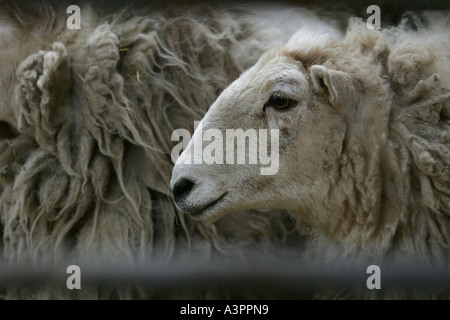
(280,102)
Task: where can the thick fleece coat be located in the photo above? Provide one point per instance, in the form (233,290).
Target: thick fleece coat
(87,117)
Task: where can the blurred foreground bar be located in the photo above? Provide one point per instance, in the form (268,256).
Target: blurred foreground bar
(295,278)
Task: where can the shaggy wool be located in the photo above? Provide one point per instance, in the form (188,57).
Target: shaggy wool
(87,117)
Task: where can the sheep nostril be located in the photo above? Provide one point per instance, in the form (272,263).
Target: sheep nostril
(182,189)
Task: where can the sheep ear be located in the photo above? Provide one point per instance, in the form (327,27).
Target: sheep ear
(336,84)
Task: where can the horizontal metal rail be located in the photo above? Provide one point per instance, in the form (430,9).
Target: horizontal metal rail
(284,274)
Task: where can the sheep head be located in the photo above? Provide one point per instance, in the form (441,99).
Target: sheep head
(306,103)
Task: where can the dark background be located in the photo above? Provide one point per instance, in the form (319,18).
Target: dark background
(391,10)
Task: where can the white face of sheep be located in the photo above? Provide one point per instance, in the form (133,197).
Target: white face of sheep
(279,94)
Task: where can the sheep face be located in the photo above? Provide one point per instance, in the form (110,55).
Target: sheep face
(278,96)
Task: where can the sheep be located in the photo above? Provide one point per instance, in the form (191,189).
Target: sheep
(364,146)
(86,117)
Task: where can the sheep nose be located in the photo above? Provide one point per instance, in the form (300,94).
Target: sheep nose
(182,188)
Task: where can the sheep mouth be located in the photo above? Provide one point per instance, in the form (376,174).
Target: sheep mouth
(208,207)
